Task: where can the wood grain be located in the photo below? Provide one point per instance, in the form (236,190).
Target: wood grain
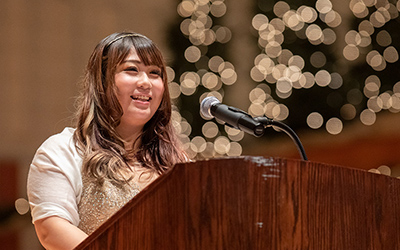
(257,203)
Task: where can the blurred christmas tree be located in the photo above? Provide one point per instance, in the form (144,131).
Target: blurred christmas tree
(316,68)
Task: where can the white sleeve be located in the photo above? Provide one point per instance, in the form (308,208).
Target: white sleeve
(54,180)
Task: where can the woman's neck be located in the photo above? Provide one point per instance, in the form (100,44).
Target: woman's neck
(129,136)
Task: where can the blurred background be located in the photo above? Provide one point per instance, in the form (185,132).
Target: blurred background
(329,69)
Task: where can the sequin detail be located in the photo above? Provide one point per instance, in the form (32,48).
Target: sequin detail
(100,202)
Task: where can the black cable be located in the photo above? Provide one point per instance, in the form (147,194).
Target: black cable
(267,122)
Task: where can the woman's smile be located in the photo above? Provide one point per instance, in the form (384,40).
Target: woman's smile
(141,98)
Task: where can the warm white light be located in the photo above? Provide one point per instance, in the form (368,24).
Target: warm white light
(351,52)
(192,54)
(235,149)
(222,145)
(22,206)
(315,120)
(323,6)
(334,126)
(368,117)
(174,90)
(198,144)
(391,55)
(348,111)
(323,78)
(210,129)
(260,21)
(210,80)
(284,85)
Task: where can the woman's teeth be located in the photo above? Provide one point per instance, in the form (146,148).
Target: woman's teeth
(141,98)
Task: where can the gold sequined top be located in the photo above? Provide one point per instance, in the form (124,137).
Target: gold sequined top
(100,202)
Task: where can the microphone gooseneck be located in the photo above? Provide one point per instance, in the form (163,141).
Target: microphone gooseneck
(211,107)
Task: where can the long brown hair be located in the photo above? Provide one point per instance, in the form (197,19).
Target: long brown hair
(99,113)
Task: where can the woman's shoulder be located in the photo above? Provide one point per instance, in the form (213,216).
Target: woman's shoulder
(63,139)
(64,135)
(60,147)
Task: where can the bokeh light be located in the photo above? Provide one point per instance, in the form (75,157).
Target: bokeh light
(334,126)
(315,120)
(281,71)
(22,206)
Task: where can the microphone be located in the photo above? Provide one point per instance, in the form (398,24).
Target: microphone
(211,107)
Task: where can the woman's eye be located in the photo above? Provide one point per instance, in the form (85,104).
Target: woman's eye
(156,72)
(134,69)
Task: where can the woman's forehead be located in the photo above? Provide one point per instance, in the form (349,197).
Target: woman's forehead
(132,55)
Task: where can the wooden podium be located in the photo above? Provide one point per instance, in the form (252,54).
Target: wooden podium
(258,203)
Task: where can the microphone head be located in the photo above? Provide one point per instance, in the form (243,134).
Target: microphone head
(205,106)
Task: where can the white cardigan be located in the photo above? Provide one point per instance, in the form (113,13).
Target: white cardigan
(55,179)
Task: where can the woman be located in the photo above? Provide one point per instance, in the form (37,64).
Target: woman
(123,140)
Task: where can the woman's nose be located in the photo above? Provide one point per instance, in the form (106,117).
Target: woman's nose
(144,81)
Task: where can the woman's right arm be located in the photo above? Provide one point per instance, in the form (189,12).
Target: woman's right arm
(56,233)
(54,188)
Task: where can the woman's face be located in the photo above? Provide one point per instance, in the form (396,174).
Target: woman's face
(140,90)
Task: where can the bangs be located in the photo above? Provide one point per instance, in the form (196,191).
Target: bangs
(147,51)
(118,49)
